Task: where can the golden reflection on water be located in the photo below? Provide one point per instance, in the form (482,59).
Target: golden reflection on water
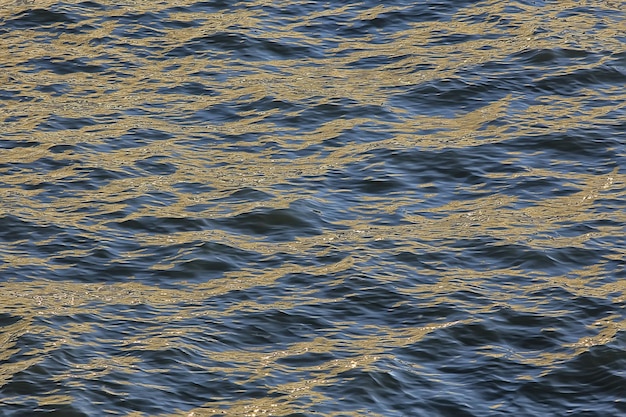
(115,105)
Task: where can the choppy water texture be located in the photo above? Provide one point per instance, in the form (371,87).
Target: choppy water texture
(301,208)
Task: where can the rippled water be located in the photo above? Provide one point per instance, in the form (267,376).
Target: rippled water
(299,208)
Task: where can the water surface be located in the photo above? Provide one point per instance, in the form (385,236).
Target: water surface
(303,208)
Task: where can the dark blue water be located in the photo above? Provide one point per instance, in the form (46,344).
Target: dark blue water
(307,208)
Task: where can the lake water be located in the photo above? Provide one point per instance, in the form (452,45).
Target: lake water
(301,208)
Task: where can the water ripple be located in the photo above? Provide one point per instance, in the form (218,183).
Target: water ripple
(306,209)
